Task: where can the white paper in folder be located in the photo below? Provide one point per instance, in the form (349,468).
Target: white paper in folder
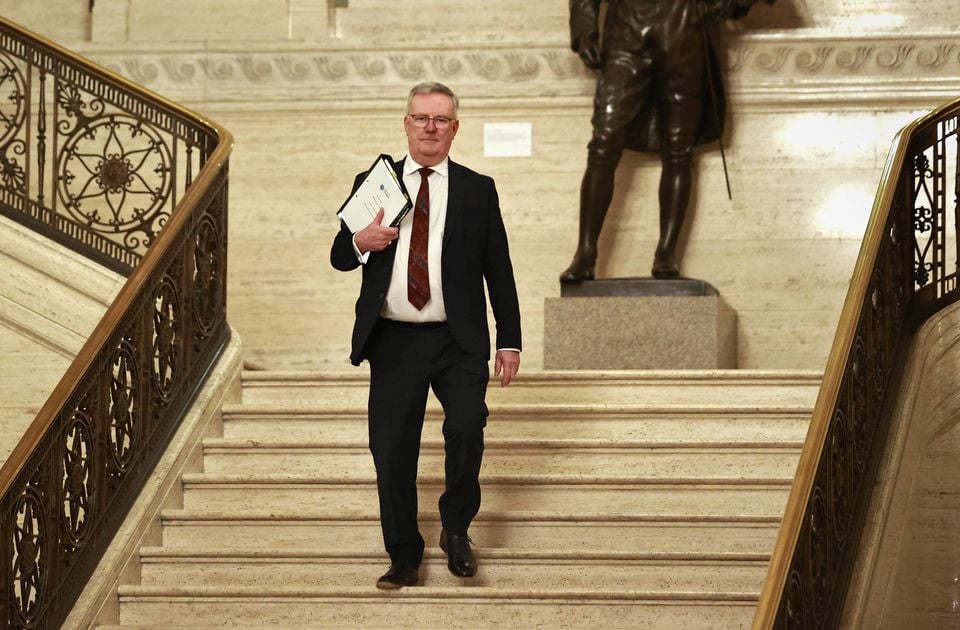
(379,190)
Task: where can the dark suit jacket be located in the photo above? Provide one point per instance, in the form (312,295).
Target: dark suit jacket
(474,249)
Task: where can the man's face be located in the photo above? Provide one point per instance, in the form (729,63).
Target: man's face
(429,145)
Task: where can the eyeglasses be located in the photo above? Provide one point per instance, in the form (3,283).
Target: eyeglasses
(421,120)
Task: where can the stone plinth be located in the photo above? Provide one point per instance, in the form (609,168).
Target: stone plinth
(638,323)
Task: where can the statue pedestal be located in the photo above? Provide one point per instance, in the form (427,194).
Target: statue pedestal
(639,323)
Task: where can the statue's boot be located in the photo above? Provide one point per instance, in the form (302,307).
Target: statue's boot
(596,192)
(664,265)
(675,181)
(583,267)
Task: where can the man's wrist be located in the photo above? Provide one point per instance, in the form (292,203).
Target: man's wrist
(361,256)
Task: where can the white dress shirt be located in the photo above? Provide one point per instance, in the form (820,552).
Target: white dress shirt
(396,305)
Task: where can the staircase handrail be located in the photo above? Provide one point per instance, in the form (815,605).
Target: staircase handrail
(70,480)
(900,279)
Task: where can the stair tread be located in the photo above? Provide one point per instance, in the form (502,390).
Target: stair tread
(420,592)
(544,411)
(551,376)
(494,443)
(487,553)
(427,479)
(561,517)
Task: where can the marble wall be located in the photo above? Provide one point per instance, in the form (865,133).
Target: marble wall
(815,101)
(60,20)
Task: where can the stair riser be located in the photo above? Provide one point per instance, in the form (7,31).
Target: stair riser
(365,536)
(504,574)
(733,428)
(735,392)
(386,611)
(532,498)
(569,463)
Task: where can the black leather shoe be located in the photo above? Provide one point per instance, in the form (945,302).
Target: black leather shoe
(460,558)
(399,575)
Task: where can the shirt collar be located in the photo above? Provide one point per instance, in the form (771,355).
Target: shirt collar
(410,166)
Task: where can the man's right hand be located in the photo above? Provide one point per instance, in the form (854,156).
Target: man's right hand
(589,50)
(375,237)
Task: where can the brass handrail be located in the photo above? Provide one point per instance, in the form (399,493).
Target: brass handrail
(114,409)
(899,280)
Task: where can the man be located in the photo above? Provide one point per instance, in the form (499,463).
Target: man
(660,90)
(421,322)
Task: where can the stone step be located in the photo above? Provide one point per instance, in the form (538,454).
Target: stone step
(588,498)
(712,534)
(517,458)
(686,387)
(433,607)
(499,568)
(594,424)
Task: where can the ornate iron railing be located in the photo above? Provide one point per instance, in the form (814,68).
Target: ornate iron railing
(140,185)
(902,276)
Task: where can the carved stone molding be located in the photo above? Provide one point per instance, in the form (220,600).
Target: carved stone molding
(862,58)
(763,68)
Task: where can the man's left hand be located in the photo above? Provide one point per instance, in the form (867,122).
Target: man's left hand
(507,362)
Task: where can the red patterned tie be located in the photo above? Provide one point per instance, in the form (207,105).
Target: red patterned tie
(418,273)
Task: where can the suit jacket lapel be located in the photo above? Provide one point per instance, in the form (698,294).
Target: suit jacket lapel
(454,201)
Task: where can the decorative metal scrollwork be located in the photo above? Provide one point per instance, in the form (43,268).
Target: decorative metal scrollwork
(839,479)
(878,337)
(859,407)
(12,175)
(13,110)
(167,338)
(817,556)
(208,280)
(29,558)
(124,405)
(78,477)
(115,177)
(896,242)
(794,603)
(79,109)
(923,220)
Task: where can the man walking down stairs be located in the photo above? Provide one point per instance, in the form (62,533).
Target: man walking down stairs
(618,500)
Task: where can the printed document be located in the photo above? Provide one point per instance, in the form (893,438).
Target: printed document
(380,190)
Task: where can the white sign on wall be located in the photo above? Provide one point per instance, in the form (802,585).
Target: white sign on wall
(513,139)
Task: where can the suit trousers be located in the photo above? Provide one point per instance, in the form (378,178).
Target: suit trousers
(406,360)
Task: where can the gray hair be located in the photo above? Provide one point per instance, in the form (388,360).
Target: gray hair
(431,87)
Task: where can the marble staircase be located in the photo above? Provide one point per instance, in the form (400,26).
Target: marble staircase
(624,500)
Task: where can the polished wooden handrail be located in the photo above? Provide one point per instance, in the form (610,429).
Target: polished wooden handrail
(172,271)
(894,210)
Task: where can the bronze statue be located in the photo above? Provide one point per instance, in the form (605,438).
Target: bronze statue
(660,90)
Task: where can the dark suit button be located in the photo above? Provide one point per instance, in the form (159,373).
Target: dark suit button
(381,295)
